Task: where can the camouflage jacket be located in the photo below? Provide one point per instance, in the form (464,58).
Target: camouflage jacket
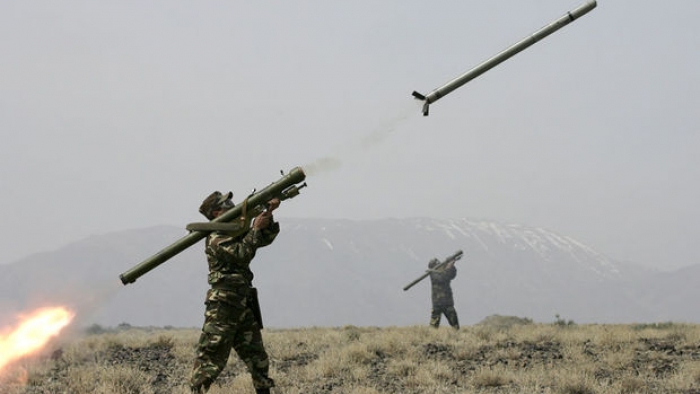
(229,258)
(440,284)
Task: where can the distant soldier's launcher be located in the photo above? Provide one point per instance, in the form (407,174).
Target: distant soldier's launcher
(504,55)
(238,217)
(450,259)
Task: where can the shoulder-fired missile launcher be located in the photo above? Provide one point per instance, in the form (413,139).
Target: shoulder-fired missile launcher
(235,219)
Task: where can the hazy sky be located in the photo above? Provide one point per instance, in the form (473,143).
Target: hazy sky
(126,114)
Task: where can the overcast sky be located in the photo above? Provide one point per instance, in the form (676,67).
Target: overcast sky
(126,114)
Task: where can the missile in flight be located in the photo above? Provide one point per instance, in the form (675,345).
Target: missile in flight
(519,46)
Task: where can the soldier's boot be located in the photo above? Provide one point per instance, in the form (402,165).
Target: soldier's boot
(455,323)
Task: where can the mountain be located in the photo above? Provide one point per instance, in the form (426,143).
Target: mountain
(331,272)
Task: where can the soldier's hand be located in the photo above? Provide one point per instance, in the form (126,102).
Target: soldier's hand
(262,221)
(273,204)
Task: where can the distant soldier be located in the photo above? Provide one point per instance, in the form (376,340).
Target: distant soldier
(232,317)
(441,293)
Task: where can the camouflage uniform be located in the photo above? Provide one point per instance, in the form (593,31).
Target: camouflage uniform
(443,302)
(229,319)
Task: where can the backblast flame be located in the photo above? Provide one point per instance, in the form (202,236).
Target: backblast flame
(32,333)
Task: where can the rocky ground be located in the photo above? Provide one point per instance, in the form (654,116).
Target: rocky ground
(545,359)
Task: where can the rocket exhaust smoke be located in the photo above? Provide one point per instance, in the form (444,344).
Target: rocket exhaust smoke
(323,164)
(367,141)
(92,298)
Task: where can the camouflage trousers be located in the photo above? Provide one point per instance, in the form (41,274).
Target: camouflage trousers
(227,327)
(449,312)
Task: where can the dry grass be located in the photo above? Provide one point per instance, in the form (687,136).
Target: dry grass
(527,358)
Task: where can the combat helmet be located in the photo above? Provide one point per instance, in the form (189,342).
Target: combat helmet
(214,202)
(433,263)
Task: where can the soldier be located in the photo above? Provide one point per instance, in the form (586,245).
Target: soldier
(232,315)
(441,293)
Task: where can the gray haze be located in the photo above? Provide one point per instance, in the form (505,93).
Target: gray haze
(335,272)
(121,115)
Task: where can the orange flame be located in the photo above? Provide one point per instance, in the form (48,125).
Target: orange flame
(33,333)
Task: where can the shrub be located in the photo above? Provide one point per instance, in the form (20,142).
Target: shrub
(562,322)
(499,321)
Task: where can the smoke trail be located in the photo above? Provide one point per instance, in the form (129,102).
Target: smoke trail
(93,297)
(376,137)
(386,128)
(321,165)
